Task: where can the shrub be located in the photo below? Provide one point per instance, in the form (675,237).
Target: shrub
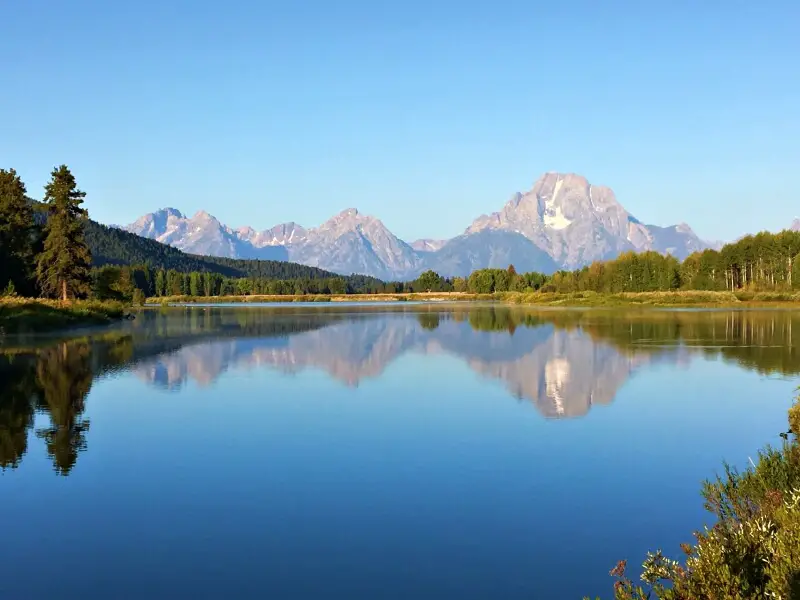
(753,549)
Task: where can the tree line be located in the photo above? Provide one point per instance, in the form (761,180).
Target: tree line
(134,283)
(762,262)
(137,282)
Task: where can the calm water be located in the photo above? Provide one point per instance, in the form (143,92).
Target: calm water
(374,452)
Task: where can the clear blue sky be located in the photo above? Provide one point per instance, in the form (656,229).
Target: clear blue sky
(425,113)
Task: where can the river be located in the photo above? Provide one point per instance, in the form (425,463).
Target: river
(395,451)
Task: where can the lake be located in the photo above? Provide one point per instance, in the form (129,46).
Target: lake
(418,451)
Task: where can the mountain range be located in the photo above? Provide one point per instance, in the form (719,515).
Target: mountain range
(563,222)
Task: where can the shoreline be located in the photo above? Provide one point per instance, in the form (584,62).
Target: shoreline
(677,299)
(25,316)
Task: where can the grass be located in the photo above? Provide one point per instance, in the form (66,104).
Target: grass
(652,299)
(33,315)
(642,299)
(659,299)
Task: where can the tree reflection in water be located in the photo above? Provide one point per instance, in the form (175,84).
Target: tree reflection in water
(564,361)
(64,377)
(54,381)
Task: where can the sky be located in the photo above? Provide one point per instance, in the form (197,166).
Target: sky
(424,113)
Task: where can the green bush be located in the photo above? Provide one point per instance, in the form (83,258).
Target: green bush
(753,549)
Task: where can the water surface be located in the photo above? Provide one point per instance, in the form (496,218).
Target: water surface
(374,451)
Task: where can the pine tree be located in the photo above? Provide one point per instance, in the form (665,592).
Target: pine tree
(64,265)
(194,283)
(161,283)
(16,234)
(124,285)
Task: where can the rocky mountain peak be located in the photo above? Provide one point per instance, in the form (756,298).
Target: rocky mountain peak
(348,215)
(201,216)
(279,235)
(350,219)
(171,212)
(576,222)
(156,223)
(352,242)
(572,194)
(553,178)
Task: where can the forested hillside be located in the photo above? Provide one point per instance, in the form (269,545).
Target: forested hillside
(111,246)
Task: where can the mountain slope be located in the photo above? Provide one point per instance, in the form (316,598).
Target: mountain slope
(354,243)
(489,249)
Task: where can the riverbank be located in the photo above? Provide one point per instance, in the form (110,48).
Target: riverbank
(33,315)
(655,299)
(413,297)
(587,299)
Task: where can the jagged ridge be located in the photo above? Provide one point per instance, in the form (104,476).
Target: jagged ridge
(562,222)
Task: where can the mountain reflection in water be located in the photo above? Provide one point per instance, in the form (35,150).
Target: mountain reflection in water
(561,361)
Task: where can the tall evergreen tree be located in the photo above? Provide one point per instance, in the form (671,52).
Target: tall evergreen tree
(161,283)
(16,234)
(63,266)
